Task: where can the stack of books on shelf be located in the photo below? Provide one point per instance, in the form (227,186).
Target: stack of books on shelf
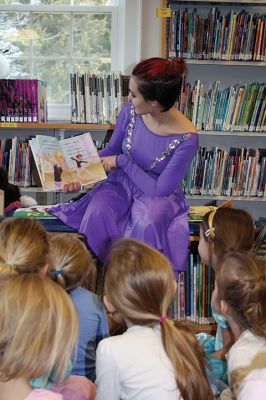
(195,287)
(97,99)
(222,172)
(241,107)
(238,35)
(23,100)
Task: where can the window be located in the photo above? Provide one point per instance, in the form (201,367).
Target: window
(48,39)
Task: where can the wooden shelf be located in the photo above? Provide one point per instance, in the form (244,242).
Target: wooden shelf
(51,125)
(228,63)
(235,198)
(232,133)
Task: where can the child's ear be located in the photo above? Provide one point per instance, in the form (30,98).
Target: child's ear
(224,307)
(44,269)
(108,304)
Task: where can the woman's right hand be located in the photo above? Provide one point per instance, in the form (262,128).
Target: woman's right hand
(72,187)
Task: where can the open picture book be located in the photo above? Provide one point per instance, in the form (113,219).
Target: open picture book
(59,162)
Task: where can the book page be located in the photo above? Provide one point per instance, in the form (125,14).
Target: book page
(37,157)
(83,160)
(55,170)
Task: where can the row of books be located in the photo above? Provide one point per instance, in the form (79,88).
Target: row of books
(235,36)
(23,100)
(241,107)
(97,99)
(195,286)
(223,172)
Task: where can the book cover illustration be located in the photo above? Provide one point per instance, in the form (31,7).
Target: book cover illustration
(74,159)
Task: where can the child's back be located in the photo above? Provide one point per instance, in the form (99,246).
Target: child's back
(73,268)
(140,367)
(93,328)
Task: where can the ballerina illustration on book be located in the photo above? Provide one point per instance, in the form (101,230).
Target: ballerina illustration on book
(82,171)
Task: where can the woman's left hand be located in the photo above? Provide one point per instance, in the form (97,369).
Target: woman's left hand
(109,163)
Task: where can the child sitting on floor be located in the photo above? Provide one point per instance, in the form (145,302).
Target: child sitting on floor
(223,230)
(24,249)
(38,330)
(73,268)
(153,359)
(241,294)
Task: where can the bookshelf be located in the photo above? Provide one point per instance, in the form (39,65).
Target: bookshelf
(56,126)
(228,71)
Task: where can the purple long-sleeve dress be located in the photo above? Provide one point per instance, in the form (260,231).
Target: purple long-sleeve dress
(142,198)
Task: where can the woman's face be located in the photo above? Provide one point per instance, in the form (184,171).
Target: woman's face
(141,105)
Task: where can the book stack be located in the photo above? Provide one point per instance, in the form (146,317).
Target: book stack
(23,100)
(229,172)
(195,286)
(233,36)
(241,107)
(97,99)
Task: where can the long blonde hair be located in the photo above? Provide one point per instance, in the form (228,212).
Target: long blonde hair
(241,283)
(38,327)
(140,285)
(24,246)
(71,264)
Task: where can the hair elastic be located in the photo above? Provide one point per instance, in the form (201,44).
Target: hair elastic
(58,272)
(162,319)
(9,264)
(210,232)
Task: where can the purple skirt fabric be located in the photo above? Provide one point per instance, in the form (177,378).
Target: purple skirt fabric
(116,208)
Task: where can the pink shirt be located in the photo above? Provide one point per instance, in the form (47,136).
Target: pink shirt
(42,394)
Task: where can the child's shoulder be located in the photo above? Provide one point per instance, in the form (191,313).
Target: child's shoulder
(42,394)
(85,297)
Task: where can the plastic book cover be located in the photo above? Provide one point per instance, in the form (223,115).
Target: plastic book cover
(38,212)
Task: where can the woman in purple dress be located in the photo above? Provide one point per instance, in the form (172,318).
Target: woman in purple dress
(146,159)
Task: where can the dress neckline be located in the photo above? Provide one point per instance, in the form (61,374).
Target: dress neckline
(171,135)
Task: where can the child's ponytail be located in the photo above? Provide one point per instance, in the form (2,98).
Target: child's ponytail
(188,360)
(24,246)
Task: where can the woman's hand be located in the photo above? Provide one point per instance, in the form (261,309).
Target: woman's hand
(109,163)
(72,187)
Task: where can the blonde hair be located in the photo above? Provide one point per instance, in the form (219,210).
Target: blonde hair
(229,229)
(24,246)
(71,264)
(139,283)
(241,283)
(38,328)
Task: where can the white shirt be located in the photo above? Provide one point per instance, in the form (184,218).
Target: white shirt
(134,366)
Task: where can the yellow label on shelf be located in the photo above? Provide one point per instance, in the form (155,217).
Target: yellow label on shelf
(163,12)
(9,125)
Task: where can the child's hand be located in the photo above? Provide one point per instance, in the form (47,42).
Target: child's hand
(72,187)
(109,163)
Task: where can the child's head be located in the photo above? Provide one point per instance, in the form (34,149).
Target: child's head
(223,230)
(38,328)
(139,286)
(241,286)
(71,264)
(24,246)
(79,156)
